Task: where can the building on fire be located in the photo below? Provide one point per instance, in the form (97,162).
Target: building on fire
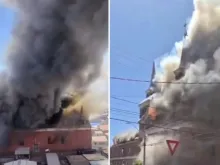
(127,152)
(69,143)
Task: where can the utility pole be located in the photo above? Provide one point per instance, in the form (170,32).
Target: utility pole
(143,135)
(144,154)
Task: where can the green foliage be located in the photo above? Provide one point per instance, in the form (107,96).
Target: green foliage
(138,162)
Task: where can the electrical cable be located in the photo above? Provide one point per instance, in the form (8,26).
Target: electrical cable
(116,98)
(156,126)
(164,82)
(124,114)
(124,110)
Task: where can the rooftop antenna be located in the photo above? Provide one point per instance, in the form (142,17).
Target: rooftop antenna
(185,33)
(81,115)
(153,74)
(150,91)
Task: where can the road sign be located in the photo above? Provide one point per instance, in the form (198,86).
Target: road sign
(172,145)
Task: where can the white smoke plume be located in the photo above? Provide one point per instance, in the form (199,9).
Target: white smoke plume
(125,136)
(168,65)
(179,48)
(54,43)
(95,100)
(200,57)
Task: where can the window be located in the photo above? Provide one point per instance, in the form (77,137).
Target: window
(122,151)
(62,140)
(36,148)
(21,142)
(49,140)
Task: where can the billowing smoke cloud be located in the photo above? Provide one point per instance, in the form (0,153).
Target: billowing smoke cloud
(188,99)
(95,100)
(200,57)
(125,136)
(54,43)
(168,66)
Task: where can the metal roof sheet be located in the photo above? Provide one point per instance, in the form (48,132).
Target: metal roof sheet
(77,160)
(21,162)
(143,102)
(52,159)
(100,162)
(94,157)
(22,151)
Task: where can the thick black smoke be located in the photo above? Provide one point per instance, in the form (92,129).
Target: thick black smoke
(55,43)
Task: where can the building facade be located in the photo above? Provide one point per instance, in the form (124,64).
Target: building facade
(193,149)
(125,153)
(66,139)
(100,137)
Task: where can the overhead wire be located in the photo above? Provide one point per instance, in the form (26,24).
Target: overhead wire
(126,111)
(163,82)
(116,98)
(159,126)
(126,62)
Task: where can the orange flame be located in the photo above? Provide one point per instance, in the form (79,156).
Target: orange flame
(152,113)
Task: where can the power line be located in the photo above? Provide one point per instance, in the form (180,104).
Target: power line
(127,79)
(153,125)
(129,96)
(162,82)
(126,121)
(194,134)
(116,98)
(124,110)
(123,114)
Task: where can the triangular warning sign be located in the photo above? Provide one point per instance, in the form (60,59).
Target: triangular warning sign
(172,145)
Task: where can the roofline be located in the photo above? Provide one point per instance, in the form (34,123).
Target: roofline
(127,142)
(144,102)
(52,129)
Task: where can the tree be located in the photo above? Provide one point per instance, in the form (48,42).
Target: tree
(138,162)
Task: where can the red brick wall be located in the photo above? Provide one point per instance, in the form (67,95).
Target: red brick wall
(74,139)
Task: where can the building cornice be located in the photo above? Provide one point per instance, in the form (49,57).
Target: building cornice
(146,101)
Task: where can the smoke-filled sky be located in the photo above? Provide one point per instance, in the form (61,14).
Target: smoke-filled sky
(53,45)
(149,33)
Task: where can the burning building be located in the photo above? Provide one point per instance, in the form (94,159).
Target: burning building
(187,106)
(55,44)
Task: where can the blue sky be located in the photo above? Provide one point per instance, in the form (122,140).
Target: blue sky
(6,20)
(141,31)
